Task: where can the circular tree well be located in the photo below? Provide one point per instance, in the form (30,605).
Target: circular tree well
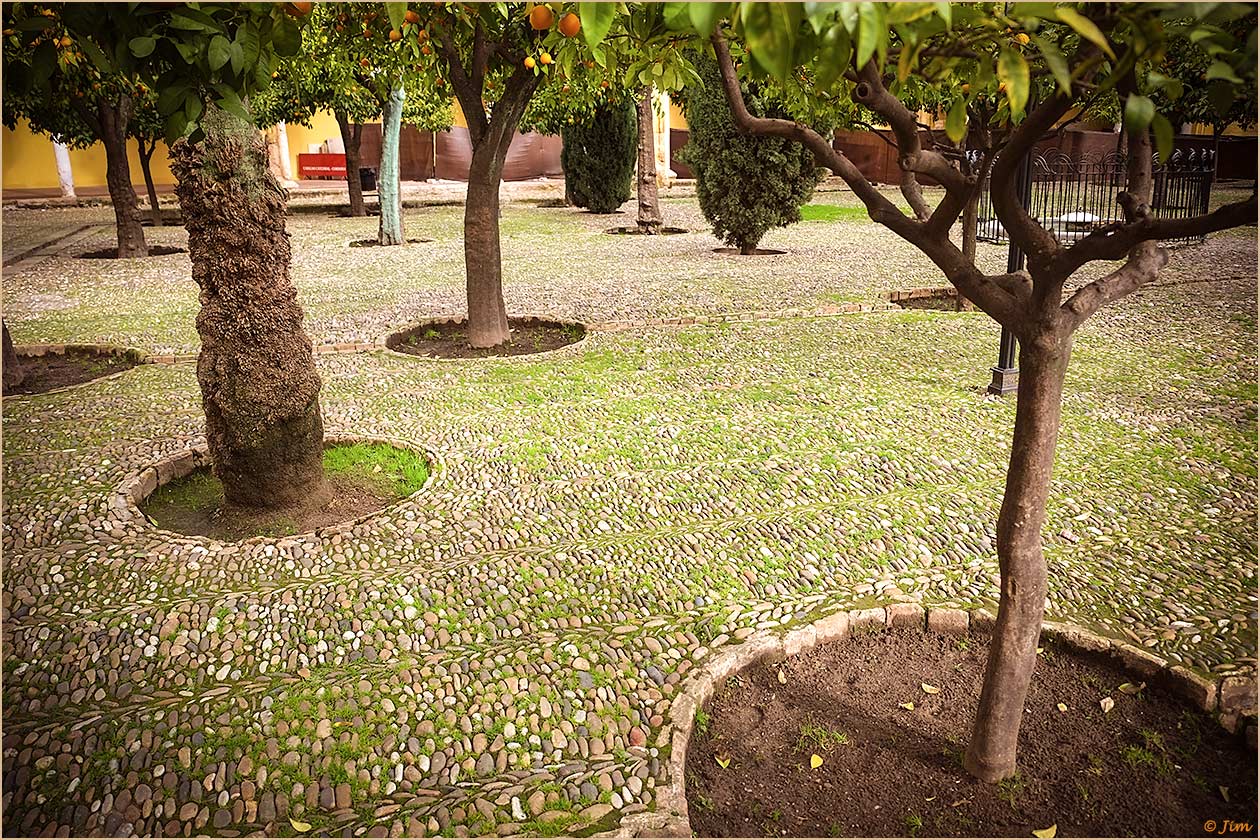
(47,368)
(112,253)
(864,736)
(181,494)
(448,339)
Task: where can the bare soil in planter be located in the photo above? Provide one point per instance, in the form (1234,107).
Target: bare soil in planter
(54,370)
(1151,767)
(112,253)
(627,230)
(364,478)
(450,340)
(372,243)
(757,252)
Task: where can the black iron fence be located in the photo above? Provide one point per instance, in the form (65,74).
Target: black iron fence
(1072,196)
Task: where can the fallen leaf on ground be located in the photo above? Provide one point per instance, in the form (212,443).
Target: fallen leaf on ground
(1062,707)
(909,706)
(298,825)
(1130,688)
(929,689)
(1046,832)
(1107,704)
(815,761)
(1224,793)
(1039,650)
(782,678)
(722,760)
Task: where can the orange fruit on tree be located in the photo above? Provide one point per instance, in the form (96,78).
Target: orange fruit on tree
(545,58)
(395,35)
(541,17)
(570,24)
(966,88)
(529,62)
(363,62)
(66,41)
(298,9)
(1022,38)
(425,50)
(411,17)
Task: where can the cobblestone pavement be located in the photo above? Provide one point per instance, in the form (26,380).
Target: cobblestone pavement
(496,655)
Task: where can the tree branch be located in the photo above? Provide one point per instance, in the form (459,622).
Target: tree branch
(468,94)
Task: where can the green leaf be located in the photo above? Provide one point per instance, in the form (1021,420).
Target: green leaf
(1085,27)
(956,120)
(1221,70)
(396,12)
(677,16)
(234,107)
(834,55)
(186,17)
(1221,95)
(1013,72)
(142,46)
(1055,61)
(597,19)
(192,108)
(286,37)
(770,33)
(237,57)
(945,10)
(34,24)
(94,53)
(1163,131)
(219,53)
(705,16)
(872,31)
(171,99)
(1138,113)
(176,126)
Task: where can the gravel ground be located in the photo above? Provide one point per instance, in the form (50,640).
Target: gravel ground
(497,654)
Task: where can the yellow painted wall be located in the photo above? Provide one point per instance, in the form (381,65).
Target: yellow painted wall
(29,164)
(676,118)
(323,127)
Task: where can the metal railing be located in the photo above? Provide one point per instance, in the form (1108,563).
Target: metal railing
(1072,196)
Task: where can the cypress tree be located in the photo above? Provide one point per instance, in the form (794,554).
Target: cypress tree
(598,156)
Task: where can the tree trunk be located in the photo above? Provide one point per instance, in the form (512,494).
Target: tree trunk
(351,138)
(970,221)
(387,184)
(14,373)
(155,212)
(1013,653)
(257,374)
(487,315)
(113,122)
(649,196)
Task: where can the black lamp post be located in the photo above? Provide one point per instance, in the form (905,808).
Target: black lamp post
(1005,374)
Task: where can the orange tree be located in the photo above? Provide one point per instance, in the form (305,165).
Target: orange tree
(494,57)
(68,71)
(1071,54)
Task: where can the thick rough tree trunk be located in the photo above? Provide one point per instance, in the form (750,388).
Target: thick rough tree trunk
(351,139)
(257,374)
(649,195)
(1043,364)
(113,121)
(387,183)
(487,315)
(146,156)
(14,373)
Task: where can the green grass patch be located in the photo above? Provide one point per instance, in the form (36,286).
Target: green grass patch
(399,470)
(832,213)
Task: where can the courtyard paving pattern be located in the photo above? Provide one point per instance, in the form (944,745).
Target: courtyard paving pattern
(496,655)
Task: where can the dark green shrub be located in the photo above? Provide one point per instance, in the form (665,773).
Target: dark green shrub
(599,155)
(746,185)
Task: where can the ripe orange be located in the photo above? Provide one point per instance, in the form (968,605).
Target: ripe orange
(570,24)
(298,9)
(395,35)
(1022,38)
(363,62)
(529,62)
(411,17)
(425,50)
(966,88)
(66,41)
(545,58)
(542,17)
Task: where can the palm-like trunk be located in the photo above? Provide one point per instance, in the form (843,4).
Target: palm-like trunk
(649,196)
(146,156)
(351,139)
(1043,364)
(387,180)
(112,120)
(257,373)
(14,374)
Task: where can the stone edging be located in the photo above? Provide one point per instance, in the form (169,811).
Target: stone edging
(35,351)
(1233,696)
(138,485)
(382,342)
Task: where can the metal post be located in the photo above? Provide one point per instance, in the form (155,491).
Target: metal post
(1005,374)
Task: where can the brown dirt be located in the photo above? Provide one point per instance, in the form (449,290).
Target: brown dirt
(112,253)
(372,243)
(636,231)
(757,252)
(1151,767)
(53,370)
(204,515)
(450,340)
